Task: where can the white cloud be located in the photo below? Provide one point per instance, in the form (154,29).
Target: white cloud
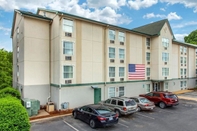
(191,23)
(5,29)
(138,4)
(180,37)
(162,9)
(115,4)
(171,16)
(186,3)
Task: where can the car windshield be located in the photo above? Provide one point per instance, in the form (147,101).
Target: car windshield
(103,110)
(130,103)
(170,96)
(144,100)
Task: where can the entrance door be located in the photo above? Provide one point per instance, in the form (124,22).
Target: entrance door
(97,95)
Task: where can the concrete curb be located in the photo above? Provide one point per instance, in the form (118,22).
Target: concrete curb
(49,118)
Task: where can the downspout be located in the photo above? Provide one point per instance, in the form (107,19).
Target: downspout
(105,58)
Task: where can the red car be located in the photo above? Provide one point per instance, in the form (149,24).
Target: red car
(162,98)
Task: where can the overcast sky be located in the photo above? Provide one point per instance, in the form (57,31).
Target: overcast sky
(182,14)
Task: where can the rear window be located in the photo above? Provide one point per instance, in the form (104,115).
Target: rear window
(144,100)
(103,110)
(173,96)
(130,103)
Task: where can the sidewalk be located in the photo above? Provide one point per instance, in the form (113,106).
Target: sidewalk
(182,91)
(185,97)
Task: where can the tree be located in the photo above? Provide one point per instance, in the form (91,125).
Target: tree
(5,68)
(191,38)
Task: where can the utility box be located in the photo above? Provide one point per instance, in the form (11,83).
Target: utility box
(50,107)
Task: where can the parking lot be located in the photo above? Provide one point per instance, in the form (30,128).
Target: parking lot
(178,118)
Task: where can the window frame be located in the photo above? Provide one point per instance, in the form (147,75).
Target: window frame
(121,73)
(64,48)
(148,56)
(68,25)
(165,42)
(165,71)
(114,91)
(112,34)
(147,88)
(68,72)
(121,54)
(121,91)
(147,42)
(148,71)
(112,55)
(112,74)
(165,56)
(121,35)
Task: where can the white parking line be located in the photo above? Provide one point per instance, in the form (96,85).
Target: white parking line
(70,125)
(166,111)
(123,125)
(144,115)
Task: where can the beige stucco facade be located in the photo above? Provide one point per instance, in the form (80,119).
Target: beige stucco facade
(41,60)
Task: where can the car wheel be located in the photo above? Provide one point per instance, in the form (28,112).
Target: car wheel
(118,113)
(92,123)
(162,105)
(139,109)
(75,115)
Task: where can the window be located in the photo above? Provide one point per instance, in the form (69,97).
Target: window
(147,71)
(166,85)
(111,52)
(68,71)
(17,73)
(196,71)
(121,36)
(185,50)
(121,53)
(111,71)
(185,83)
(165,42)
(196,52)
(68,25)
(165,56)
(113,102)
(181,49)
(148,42)
(111,34)
(181,83)
(185,60)
(121,71)
(185,72)
(196,62)
(121,91)
(67,48)
(111,92)
(181,72)
(181,60)
(120,103)
(165,71)
(148,56)
(147,87)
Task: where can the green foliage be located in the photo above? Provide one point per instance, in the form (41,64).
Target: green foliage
(191,38)
(10,91)
(13,116)
(5,67)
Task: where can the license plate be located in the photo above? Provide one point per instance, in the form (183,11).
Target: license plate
(111,118)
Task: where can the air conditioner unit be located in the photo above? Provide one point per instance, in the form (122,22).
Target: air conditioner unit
(185,76)
(111,79)
(181,53)
(148,78)
(181,64)
(68,34)
(121,43)
(68,81)
(148,63)
(112,41)
(165,63)
(112,60)
(185,64)
(148,47)
(181,76)
(121,79)
(165,48)
(185,53)
(121,61)
(165,78)
(68,57)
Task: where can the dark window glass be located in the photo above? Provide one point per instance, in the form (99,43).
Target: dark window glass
(113,102)
(130,103)
(120,103)
(108,101)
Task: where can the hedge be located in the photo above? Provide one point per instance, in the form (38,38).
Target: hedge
(13,116)
(10,91)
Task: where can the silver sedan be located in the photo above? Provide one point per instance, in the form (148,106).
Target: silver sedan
(143,103)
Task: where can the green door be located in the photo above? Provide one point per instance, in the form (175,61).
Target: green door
(97,95)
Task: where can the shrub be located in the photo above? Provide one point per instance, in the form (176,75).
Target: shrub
(10,91)
(13,116)
(4,85)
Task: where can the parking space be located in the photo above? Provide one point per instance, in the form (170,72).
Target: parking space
(178,118)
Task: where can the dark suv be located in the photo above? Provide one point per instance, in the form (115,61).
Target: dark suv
(162,98)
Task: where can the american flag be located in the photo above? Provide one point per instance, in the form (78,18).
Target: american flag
(136,72)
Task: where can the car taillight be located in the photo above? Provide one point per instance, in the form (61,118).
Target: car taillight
(101,118)
(146,104)
(124,108)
